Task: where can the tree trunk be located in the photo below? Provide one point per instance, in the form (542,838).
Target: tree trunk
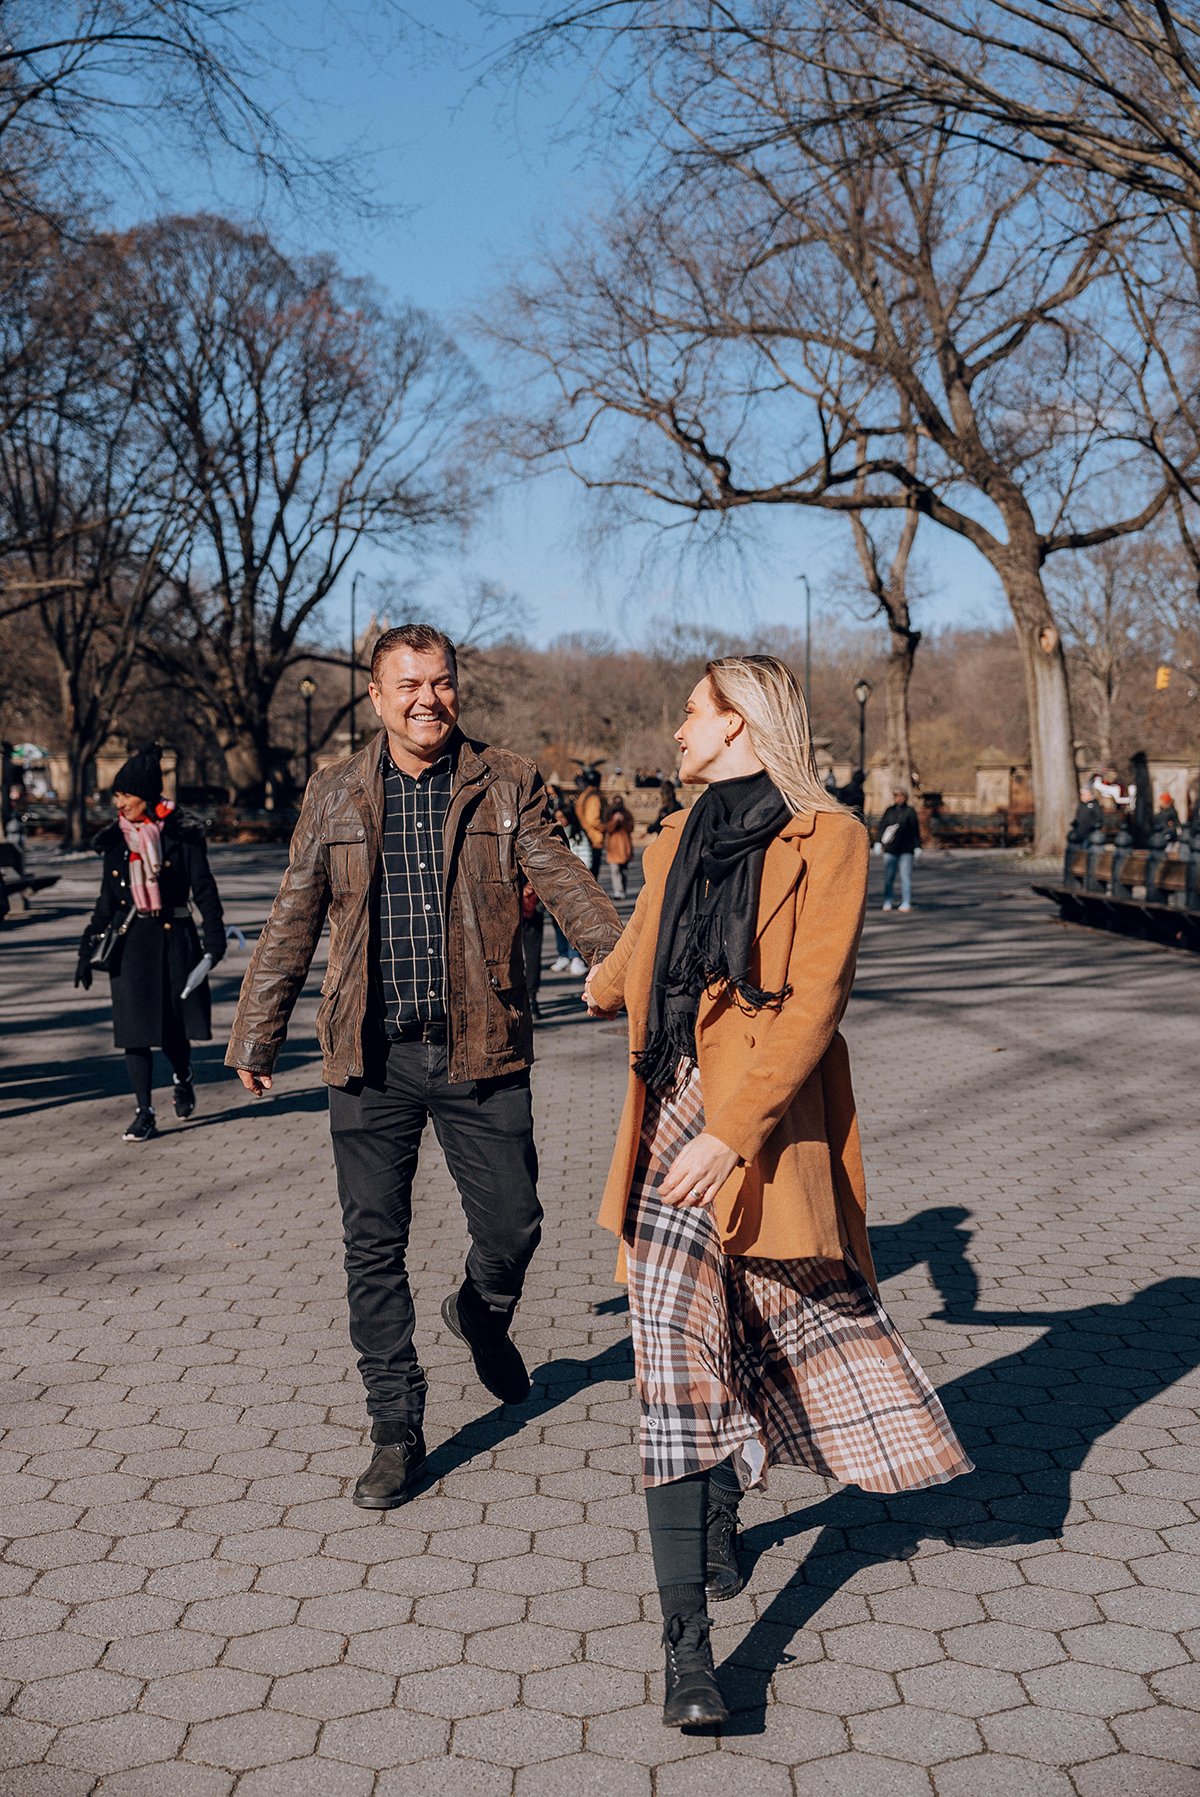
(80,749)
(75,825)
(246,766)
(1051,737)
(895,698)
(1105,696)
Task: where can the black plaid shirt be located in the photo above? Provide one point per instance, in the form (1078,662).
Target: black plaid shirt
(411,938)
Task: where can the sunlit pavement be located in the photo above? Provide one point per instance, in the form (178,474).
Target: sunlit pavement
(189,1604)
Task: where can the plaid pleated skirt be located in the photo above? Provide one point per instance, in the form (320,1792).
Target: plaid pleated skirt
(767,1361)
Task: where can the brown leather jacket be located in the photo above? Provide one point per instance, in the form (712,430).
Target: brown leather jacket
(496,836)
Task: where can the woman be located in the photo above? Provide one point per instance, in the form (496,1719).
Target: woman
(618,842)
(154,864)
(562,815)
(737,1183)
(533,928)
(667,808)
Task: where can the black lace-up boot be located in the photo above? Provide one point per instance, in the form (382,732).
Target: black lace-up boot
(693,1697)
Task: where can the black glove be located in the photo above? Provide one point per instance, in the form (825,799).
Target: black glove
(83,967)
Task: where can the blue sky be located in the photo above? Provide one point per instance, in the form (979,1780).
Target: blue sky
(479,176)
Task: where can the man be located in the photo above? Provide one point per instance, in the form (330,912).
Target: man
(418,848)
(899,837)
(1166,818)
(1088,818)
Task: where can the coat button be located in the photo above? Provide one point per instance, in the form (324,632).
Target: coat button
(361,831)
(508,823)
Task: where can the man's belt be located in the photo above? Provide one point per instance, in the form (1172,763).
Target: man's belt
(418,1032)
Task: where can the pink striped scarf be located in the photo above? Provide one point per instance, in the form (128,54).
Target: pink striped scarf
(144,842)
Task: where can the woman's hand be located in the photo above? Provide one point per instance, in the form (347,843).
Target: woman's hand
(593,1009)
(697,1172)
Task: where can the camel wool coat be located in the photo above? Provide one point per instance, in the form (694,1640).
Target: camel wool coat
(775,1082)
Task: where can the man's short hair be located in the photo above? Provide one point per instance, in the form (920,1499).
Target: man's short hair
(425,639)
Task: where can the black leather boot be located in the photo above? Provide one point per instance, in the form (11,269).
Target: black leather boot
(390,1477)
(723,1576)
(693,1696)
(497,1360)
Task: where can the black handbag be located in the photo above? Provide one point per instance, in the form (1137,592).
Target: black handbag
(105,954)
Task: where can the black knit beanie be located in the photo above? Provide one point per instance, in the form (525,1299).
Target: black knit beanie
(141,775)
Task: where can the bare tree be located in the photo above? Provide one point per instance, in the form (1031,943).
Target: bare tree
(886,575)
(809,283)
(90,90)
(1111,87)
(89,516)
(304,418)
(1107,602)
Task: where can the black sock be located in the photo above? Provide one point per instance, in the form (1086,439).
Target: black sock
(677,1514)
(682,1600)
(392,1431)
(138,1064)
(724,1486)
(179,1052)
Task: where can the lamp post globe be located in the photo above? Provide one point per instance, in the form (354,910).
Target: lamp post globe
(308,692)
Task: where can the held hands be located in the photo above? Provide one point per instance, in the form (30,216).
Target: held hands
(588,998)
(697,1172)
(255,1083)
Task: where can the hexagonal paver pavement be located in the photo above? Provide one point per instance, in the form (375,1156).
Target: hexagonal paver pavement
(189,1604)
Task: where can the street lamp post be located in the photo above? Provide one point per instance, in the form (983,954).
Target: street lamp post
(308,692)
(862,692)
(807,642)
(353,660)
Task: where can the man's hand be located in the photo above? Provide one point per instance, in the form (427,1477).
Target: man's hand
(697,1172)
(255,1083)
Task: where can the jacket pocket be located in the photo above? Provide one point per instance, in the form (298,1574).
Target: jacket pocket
(344,847)
(490,853)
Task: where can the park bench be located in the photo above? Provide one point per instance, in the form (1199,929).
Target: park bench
(979,830)
(15,883)
(1151,893)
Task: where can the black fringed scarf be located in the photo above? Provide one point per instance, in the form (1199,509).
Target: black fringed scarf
(710,906)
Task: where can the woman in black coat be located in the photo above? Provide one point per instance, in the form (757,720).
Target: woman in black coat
(155,864)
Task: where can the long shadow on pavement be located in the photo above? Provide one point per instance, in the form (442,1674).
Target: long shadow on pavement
(31,1086)
(1028,1420)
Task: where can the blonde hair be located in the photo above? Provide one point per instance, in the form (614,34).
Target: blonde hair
(766,695)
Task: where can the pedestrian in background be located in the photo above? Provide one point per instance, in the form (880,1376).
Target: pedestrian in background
(155,865)
(737,1184)
(1089,817)
(618,842)
(589,814)
(533,928)
(899,839)
(561,811)
(1166,818)
(669,806)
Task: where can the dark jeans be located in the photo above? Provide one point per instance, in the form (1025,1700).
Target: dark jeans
(486,1134)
